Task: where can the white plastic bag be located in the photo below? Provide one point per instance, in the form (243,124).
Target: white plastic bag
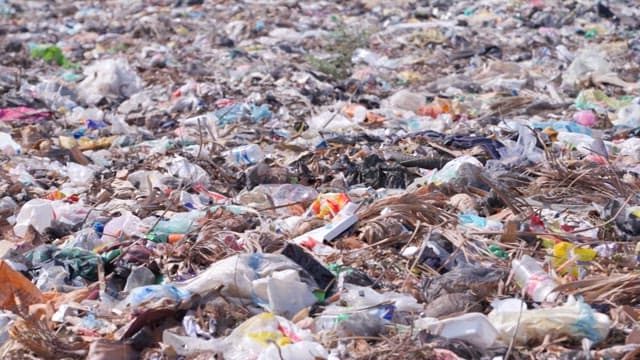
(272,281)
(574,319)
(111,79)
(37,213)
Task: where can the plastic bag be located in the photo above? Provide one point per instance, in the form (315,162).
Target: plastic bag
(451,170)
(125,224)
(588,61)
(145,294)
(264,279)
(255,337)
(79,262)
(327,206)
(37,213)
(79,175)
(7,145)
(111,79)
(184,169)
(628,116)
(574,319)
(523,150)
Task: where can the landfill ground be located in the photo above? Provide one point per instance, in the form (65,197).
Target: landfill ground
(302,180)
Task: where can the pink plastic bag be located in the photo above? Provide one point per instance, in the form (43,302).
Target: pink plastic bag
(23,113)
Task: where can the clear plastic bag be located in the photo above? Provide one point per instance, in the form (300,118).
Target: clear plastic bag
(574,319)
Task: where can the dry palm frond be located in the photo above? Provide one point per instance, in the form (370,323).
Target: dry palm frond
(219,236)
(401,211)
(262,241)
(509,104)
(214,246)
(506,194)
(596,184)
(222,219)
(381,227)
(36,335)
(209,249)
(619,289)
(411,208)
(306,225)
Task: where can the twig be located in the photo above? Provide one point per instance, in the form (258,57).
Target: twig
(201,139)
(283,205)
(613,218)
(515,332)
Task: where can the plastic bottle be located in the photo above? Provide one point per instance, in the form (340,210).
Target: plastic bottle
(355,324)
(7,145)
(531,276)
(475,328)
(229,114)
(245,155)
(179,223)
(52,93)
(290,193)
(422,123)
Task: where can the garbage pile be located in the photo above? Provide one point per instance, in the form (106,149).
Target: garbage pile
(275,179)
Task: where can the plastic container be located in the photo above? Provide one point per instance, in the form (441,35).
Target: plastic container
(245,155)
(532,277)
(37,213)
(270,195)
(356,112)
(475,328)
